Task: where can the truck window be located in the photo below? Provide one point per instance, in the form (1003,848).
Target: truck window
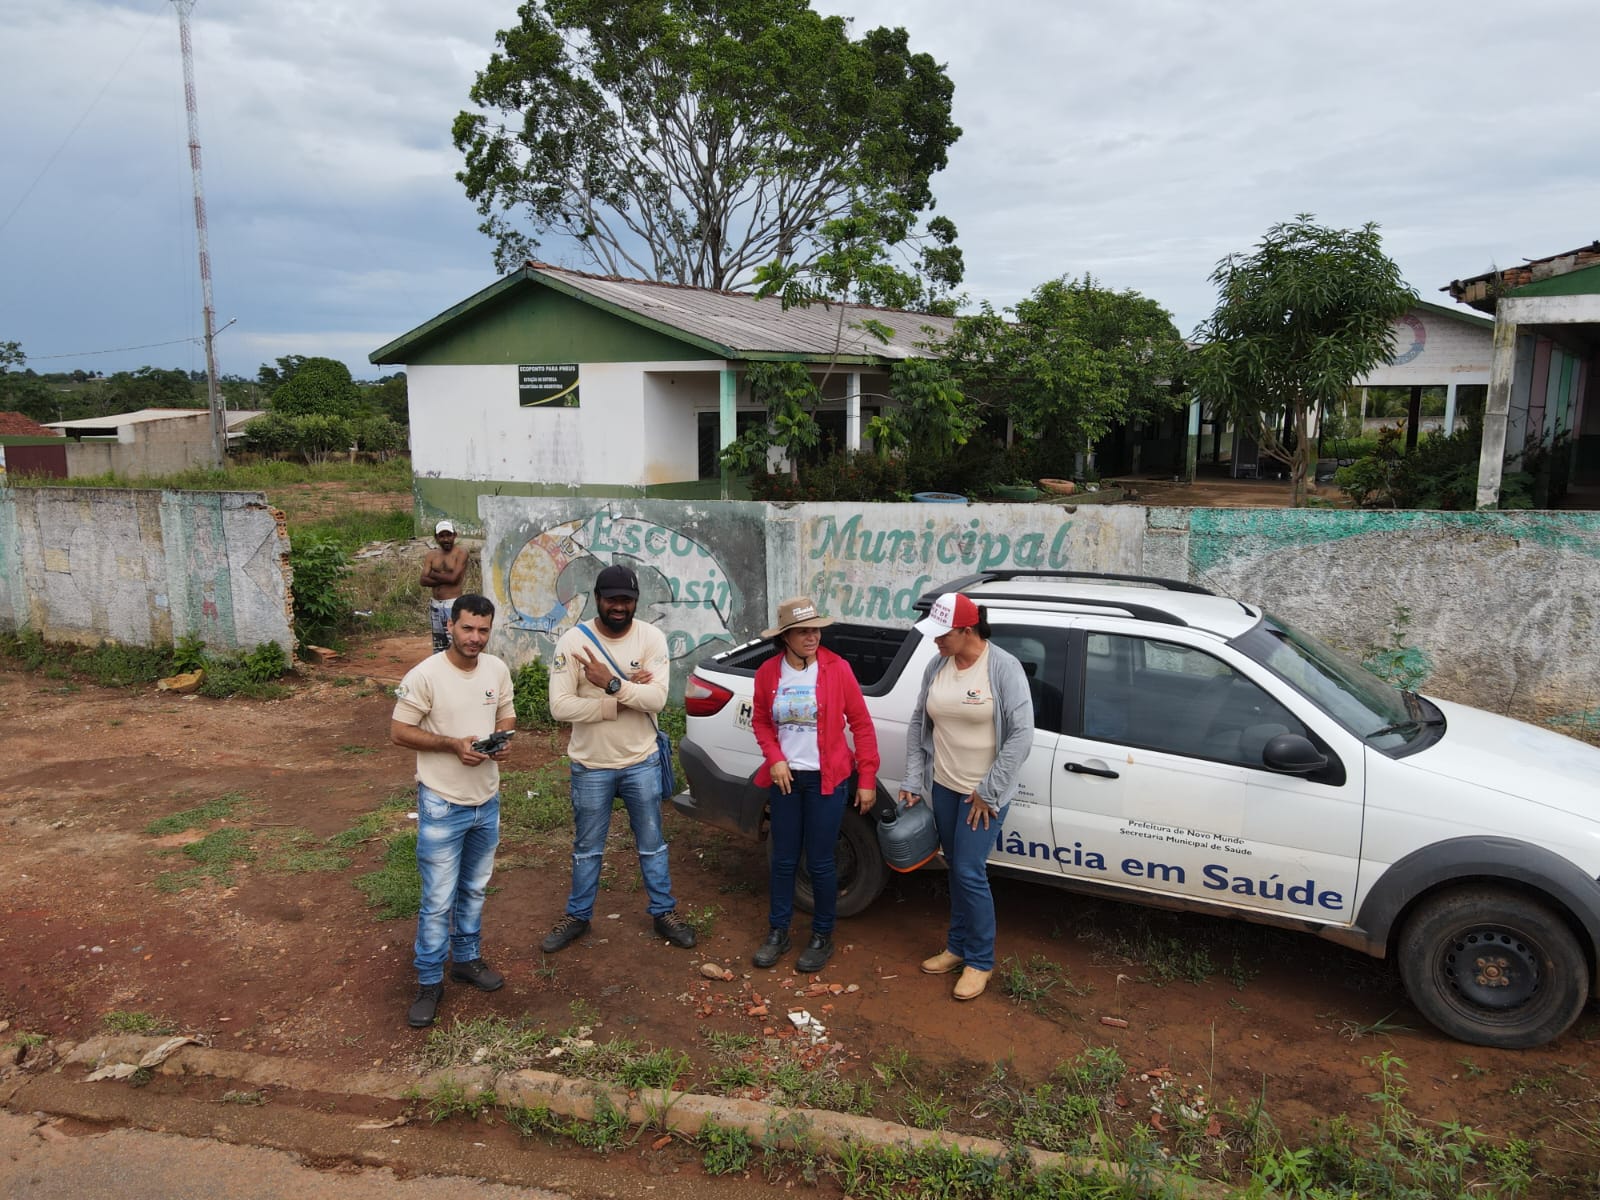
(1043,654)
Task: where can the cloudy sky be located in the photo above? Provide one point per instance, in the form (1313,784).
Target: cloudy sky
(1138,140)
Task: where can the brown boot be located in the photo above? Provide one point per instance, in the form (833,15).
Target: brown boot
(971,984)
(941,963)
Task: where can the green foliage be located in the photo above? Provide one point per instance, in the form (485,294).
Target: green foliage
(530,695)
(193,818)
(846,475)
(790,396)
(395,889)
(377,434)
(320,569)
(932,414)
(694,143)
(724,1150)
(188,654)
(120,1021)
(1074,360)
(215,856)
(1296,323)
(317,387)
(253,675)
(533,802)
(112,664)
(1441,472)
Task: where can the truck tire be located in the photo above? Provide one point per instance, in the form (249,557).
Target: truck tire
(862,872)
(1493,968)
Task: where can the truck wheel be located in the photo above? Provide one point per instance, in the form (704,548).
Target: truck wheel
(1493,968)
(860,865)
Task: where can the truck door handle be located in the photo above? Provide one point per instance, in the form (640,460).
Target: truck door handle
(1080,769)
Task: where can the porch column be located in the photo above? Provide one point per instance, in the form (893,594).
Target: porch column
(728,430)
(1495,409)
(1191,452)
(852,413)
(1450,410)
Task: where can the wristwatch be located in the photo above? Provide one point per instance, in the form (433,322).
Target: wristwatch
(613,686)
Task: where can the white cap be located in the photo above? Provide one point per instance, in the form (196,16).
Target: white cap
(444,527)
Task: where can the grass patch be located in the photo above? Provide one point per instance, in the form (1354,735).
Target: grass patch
(356,527)
(120,1021)
(1038,983)
(486,1041)
(299,851)
(533,802)
(374,824)
(193,818)
(395,888)
(215,856)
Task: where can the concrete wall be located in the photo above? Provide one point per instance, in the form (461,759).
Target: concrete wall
(1500,610)
(145,448)
(144,567)
(1431,348)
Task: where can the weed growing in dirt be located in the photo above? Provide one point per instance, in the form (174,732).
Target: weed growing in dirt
(789,1144)
(1034,985)
(530,695)
(533,802)
(653,1068)
(604,1132)
(193,818)
(354,749)
(118,1021)
(28,1040)
(374,823)
(529,1121)
(486,1041)
(299,851)
(926,1112)
(1354,1031)
(395,888)
(724,1150)
(451,1099)
(244,1099)
(215,856)
(726,1044)
(894,1065)
(703,919)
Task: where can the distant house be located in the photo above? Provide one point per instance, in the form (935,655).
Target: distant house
(28,448)
(152,441)
(557,382)
(1542,410)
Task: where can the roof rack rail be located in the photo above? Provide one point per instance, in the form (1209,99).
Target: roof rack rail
(1139,612)
(925,601)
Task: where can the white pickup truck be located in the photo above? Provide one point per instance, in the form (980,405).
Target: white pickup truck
(1193,752)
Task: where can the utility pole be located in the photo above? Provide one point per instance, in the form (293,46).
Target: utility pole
(219,423)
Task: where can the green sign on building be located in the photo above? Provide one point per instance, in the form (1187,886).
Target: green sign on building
(547,384)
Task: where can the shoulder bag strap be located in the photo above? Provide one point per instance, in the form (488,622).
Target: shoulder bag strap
(589,633)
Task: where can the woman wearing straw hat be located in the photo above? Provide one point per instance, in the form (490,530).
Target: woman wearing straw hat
(967,739)
(804,697)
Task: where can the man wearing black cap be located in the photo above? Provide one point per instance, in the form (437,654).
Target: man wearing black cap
(609,679)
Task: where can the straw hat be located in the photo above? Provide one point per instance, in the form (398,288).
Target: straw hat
(797,612)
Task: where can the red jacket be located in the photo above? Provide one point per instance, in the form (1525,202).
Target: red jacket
(838,700)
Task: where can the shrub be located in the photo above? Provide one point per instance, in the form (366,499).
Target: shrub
(320,568)
(530,695)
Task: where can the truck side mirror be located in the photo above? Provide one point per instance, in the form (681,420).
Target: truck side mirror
(1292,754)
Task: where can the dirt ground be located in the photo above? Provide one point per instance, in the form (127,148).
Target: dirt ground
(295,963)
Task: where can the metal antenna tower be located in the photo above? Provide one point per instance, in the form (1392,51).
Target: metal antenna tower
(219,427)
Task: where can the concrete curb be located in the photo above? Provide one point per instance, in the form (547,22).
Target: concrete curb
(684,1113)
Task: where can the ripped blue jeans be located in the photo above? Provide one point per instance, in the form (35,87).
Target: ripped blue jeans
(455,857)
(593,790)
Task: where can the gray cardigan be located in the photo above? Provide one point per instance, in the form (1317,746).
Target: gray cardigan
(1013,731)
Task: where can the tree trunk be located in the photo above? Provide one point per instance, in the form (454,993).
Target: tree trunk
(1302,454)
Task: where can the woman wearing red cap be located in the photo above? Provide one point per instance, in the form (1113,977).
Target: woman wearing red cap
(967,740)
(804,697)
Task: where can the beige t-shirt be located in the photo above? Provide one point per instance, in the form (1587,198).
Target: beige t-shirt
(961,704)
(610,732)
(438,697)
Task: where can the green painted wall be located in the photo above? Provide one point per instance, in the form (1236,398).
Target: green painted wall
(1584,282)
(532,324)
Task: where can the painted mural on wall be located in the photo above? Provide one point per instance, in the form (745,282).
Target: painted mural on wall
(701,582)
(870,563)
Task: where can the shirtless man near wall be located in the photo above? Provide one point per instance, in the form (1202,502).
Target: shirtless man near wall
(443,570)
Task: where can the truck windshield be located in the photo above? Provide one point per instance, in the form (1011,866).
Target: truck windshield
(1375,711)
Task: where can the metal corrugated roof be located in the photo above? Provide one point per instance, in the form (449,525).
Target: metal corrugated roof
(731,325)
(747,325)
(236,418)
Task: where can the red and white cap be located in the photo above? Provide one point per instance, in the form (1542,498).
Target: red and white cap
(950,611)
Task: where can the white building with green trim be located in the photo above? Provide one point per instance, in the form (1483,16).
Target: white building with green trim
(553,382)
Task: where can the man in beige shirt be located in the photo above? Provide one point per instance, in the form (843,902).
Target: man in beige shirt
(445,709)
(609,679)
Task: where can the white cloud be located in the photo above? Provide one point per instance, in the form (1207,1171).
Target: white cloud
(1140,140)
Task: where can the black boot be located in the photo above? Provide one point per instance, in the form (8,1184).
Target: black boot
(770,951)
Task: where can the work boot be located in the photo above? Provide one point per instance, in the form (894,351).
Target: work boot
(676,930)
(971,984)
(816,954)
(426,1006)
(770,951)
(479,974)
(941,963)
(567,930)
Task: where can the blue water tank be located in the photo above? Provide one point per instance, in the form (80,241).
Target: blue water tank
(908,837)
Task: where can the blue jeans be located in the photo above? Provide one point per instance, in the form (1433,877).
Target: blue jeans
(593,790)
(455,857)
(807,819)
(966,850)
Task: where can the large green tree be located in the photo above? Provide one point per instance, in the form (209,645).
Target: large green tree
(696,141)
(316,386)
(1073,360)
(1297,322)
(20,389)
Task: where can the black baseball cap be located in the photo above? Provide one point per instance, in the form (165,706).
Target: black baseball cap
(617,580)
